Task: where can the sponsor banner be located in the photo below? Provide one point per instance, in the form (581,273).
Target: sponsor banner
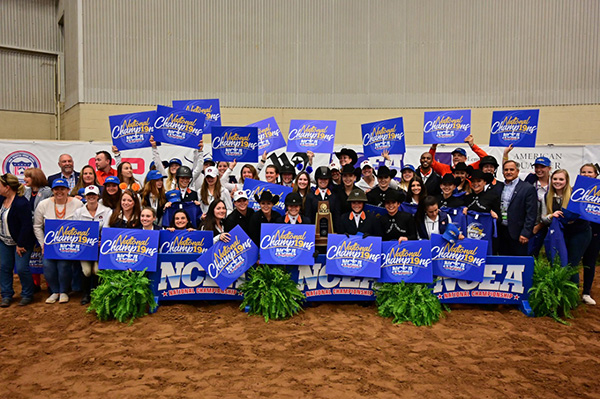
(441,127)
(311,135)
(464,259)
(506,280)
(287,244)
(256,187)
(129,131)
(353,256)
(71,239)
(409,261)
(209,107)
(387,135)
(124,249)
(178,126)
(180,277)
(225,262)
(185,242)
(270,137)
(585,198)
(230,143)
(481,226)
(517,127)
(318,286)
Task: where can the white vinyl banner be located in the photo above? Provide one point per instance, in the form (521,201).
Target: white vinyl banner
(17,156)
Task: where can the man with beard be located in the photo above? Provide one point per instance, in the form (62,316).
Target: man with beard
(427,174)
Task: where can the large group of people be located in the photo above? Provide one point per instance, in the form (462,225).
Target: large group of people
(421,201)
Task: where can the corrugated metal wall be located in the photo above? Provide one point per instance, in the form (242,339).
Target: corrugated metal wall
(31,24)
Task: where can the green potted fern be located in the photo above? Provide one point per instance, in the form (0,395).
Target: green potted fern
(408,302)
(122,295)
(270,291)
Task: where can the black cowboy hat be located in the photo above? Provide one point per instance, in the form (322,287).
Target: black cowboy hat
(384,171)
(478,174)
(349,152)
(488,160)
(266,196)
(460,166)
(351,170)
(450,179)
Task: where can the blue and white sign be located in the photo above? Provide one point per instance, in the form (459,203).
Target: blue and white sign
(178,127)
(353,256)
(231,143)
(409,261)
(506,280)
(464,259)
(124,249)
(481,226)
(287,244)
(270,137)
(226,262)
(209,107)
(518,127)
(387,135)
(180,277)
(130,131)
(185,242)
(36,260)
(256,187)
(311,135)
(446,126)
(585,198)
(71,240)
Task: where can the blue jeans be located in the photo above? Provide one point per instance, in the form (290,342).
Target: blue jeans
(58,275)
(8,260)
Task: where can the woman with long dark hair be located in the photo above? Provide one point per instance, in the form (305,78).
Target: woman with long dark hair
(217,212)
(111,195)
(127,213)
(87,178)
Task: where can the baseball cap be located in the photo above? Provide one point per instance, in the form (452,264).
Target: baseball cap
(543,161)
(239,194)
(91,190)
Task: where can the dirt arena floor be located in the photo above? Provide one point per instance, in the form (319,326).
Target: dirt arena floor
(204,350)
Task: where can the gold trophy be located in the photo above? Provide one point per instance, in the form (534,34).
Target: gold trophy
(324,223)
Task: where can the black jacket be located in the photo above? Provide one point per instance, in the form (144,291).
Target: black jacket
(257,219)
(334,206)
(303,219)
(522,211)
(484,202)
(235,218)
(450,202)
(433,182)
(19,222)
(368,225)
(377,196)
(402,224)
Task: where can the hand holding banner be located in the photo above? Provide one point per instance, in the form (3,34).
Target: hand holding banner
(178,127)
(446,126)
(225,262)
(409,261)
(311,135)
(287,244)
(463,260)
(353,256)
(129,131)
(269,135)
(234,144)
(71,239)
(209,107)
(387,135)
(518,128)
(124,249)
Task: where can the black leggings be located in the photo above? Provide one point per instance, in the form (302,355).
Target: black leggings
(589,259)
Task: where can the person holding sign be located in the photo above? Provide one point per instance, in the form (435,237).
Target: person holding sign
(241,214)
(16,240)
(396,224)
(430,219)
(323,193)
(147,218)
(215,218)
(127,213)
(265,215)
(125,175)
(480,200)
(368,180)
(60,206)
(180,221)
(358,221)
(293,205)
(458,155)
(92,211)
(591,253)
(302,187)
(577,233)
(212,190)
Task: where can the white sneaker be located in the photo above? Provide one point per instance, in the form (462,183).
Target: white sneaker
(52,298)
(64,298)
(588,300)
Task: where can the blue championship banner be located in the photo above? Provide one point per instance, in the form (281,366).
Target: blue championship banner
(225,262)
(311,135)
(180,277)
(446,126)
(506,280)
(585,199)
(387,135)
(71,239)
(464,260)
(409,261)
(269,135)
(480,226)
(234,144)
(318,286)
(287,244)
(256,187)
(353,256)
(130,131)
(209,107)
(124,249)
(185,242)
(518,128)
(178,127)
(36,261)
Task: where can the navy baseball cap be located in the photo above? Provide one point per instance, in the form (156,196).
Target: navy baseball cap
(407,166)
(60,183)
(175,161)
(112,179)
(461,151)
(543,161)
(154,175)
